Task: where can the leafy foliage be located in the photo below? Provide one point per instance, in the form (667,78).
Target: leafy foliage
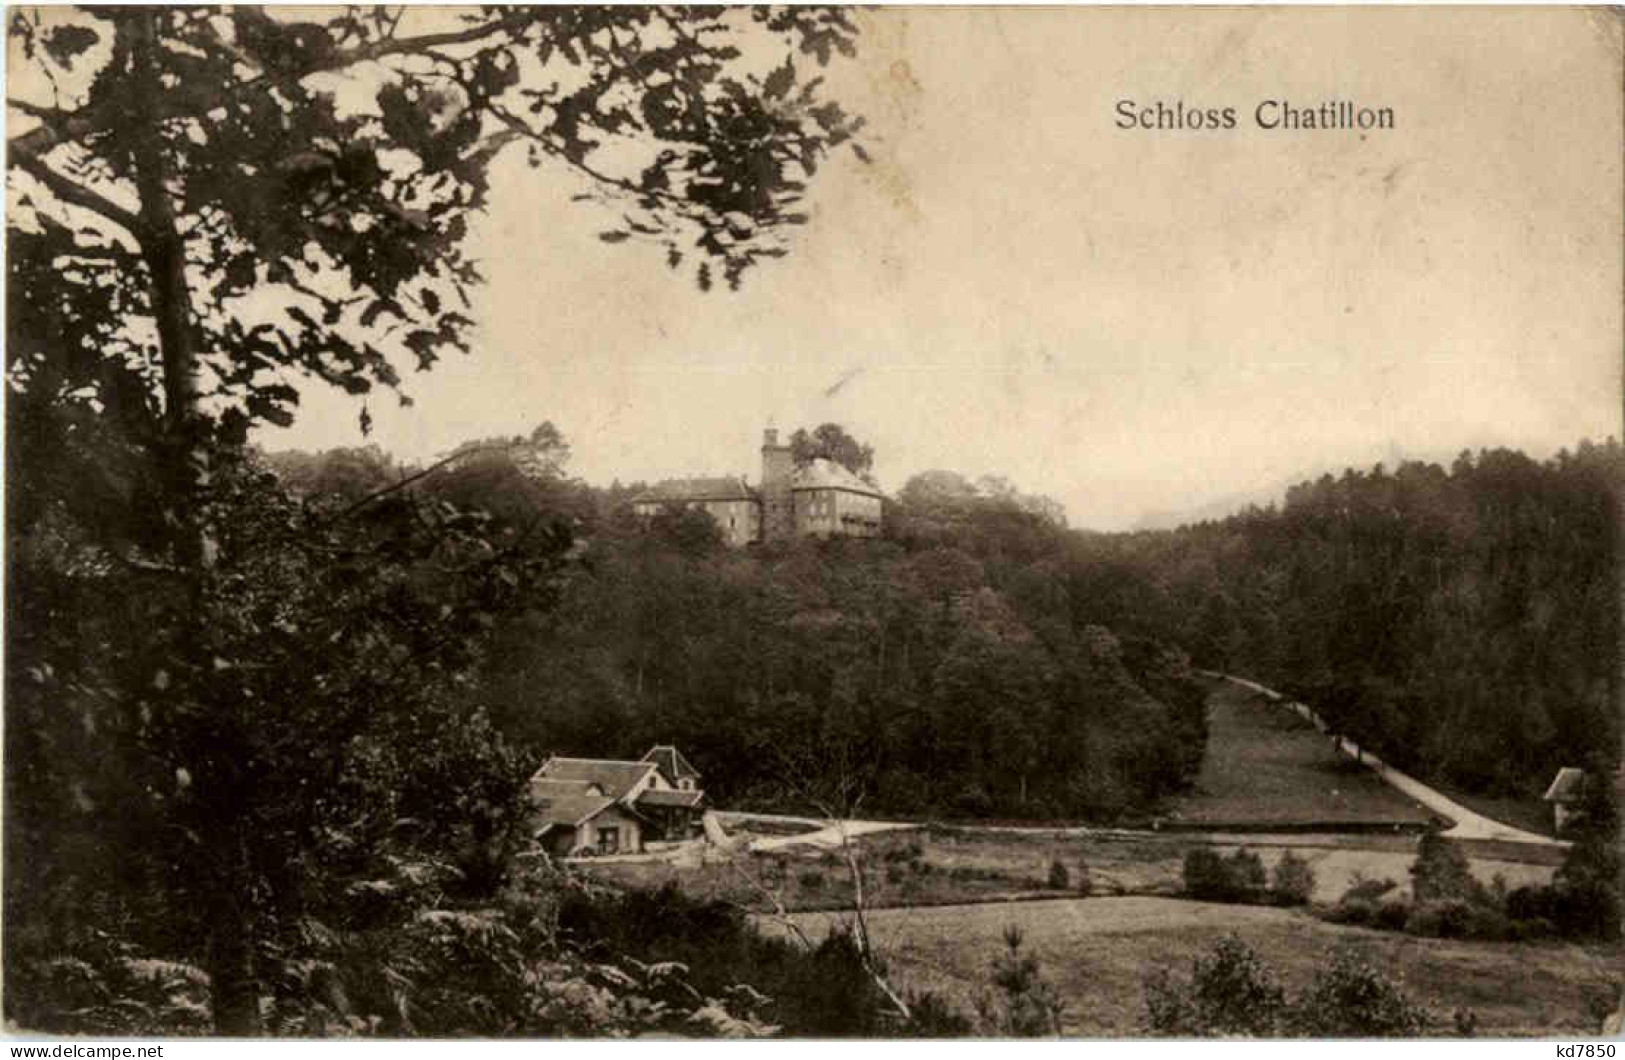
(1459,622)
(1025,1004)
(328,165)
(326,717)
(1351,998)
(240,726)
(1441,872)
(1210,876)
(1583,900)
(1231,992)
(829,441)
(1293,880)
(895,665)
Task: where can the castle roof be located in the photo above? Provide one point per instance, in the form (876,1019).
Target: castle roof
(683,490)
(824,474)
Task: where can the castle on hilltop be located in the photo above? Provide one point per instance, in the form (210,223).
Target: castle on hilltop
(817,499)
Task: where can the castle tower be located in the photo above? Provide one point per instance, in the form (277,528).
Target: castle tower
(778,515)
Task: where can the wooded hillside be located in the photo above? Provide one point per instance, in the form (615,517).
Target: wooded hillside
(1464,623)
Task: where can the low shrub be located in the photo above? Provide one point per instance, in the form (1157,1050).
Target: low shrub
(1583,911)
(1293,882)
(1456,918)
(1530,930)
(932,1017)
(1210,877)
(1587,911)
(1247,873)
(1371,890)
(1440,918)
(1025,1004)
(909,852)
(1391,915)
(1205,876)
(1532,903)
(1441,873)
(1059,878)
(1230,992)
(1350,998)
(1362,912)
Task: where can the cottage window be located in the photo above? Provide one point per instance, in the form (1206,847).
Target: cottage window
(609,840)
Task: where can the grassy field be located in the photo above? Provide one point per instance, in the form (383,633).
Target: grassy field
(1098,951)
(938,866)
(908,868)
(1265,764)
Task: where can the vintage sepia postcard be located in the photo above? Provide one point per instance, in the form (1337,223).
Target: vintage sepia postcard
(813,522)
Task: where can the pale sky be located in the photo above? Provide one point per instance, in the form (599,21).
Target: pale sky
(1128,321)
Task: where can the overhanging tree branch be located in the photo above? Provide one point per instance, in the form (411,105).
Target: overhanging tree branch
(420,475)
(76,194)
(58,126)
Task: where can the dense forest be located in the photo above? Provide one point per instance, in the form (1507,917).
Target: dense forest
(982,658)
(943,669)
(1462,622)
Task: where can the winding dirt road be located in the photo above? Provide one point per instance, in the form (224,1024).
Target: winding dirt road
(1469,824)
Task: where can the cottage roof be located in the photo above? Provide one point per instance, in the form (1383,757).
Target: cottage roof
(541,787)
(613,778)
(657,797)
(684,490)
(673,766)
(572,810)
(1566,785)
(824,474)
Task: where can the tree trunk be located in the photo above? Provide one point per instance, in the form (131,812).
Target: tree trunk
(234,988)
(184,460)
(163,248)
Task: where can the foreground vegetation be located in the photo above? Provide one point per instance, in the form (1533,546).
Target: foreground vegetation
(1098,953)
(269,721)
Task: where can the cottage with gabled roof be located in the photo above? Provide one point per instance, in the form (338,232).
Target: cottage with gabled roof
(817,499)
(612,806)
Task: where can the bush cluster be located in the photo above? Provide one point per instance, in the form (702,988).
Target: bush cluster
(1211,877)
(1231,991)
(1582,902)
